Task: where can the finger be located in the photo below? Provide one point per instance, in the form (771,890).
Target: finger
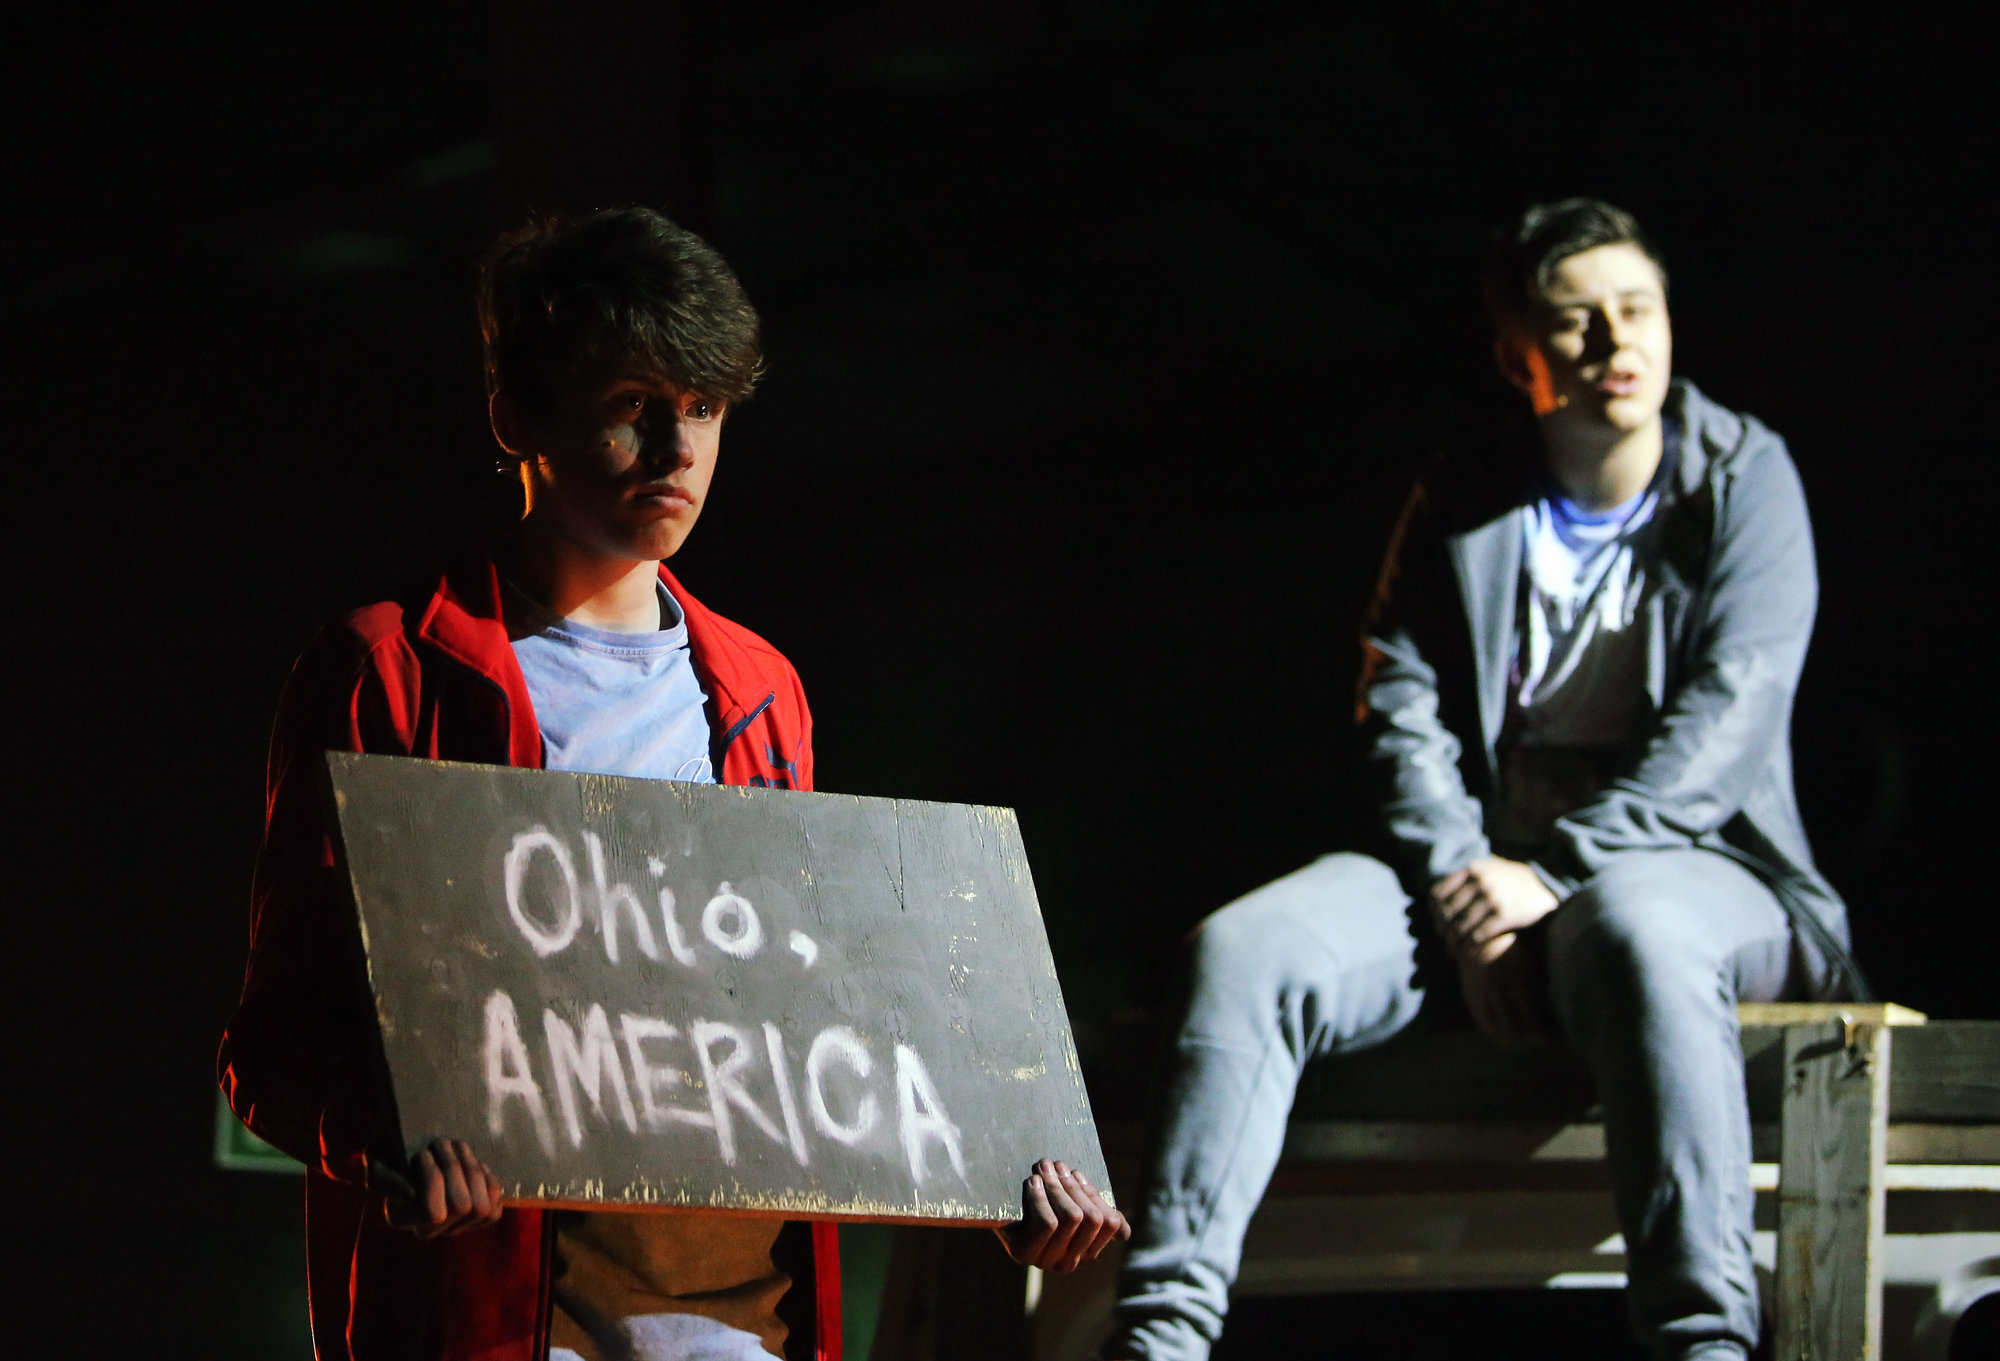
(479,1191)
(457,1181)
(485,1188)
(1449,901)
(431,1201)
(496,1196)
(1069,1217)
(1475,914)
(1027,1236)
(1083,1240)
(1105,1219)
(1121,1228)
(1464,897)
(1488,924)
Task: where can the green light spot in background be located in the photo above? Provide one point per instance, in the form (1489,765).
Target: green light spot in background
(238,1150)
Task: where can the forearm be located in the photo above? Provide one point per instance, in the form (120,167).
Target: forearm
(313,1091)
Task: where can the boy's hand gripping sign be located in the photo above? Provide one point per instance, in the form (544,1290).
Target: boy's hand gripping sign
(653,994)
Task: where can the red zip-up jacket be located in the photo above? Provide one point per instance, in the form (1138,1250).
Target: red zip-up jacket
(436,677)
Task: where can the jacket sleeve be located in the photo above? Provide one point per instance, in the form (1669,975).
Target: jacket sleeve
(1722,723)
(300,1060)
(804,760)
(1432,825)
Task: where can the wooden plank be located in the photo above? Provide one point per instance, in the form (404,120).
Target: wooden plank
(1449,1074)
(1947,1072)
(1831,1191)
(1497,1141)
(1750,1014)
(647,994)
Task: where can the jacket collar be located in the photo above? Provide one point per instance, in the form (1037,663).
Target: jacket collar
(464,620)
(1488,563)
(1486,554)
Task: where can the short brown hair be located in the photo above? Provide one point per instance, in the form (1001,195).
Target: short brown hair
(1526,250)
(623,282)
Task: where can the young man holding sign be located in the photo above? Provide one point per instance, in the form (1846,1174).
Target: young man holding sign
(615,347)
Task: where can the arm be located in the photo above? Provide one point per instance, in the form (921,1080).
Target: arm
(1435,828)
(298,1061)
(1722,724)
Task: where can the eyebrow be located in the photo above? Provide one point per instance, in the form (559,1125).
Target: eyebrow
(1643,291)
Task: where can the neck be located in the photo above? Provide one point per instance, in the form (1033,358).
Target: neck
(571,580)
(1599,467)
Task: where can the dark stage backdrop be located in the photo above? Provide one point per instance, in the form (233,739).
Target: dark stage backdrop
(1103,339)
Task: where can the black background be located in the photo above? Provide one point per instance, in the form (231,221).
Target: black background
(1103,338)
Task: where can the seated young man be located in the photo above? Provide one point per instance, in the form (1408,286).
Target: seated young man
(615,347)
(1576,693)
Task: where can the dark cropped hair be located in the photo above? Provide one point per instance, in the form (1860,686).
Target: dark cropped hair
(620,283)
(1527,250)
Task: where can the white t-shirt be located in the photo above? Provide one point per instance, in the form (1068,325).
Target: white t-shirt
(633,1286)
(1579,705)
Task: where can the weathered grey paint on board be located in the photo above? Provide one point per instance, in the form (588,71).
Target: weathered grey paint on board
(661,994)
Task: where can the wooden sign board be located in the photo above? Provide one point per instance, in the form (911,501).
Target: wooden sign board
(646,993)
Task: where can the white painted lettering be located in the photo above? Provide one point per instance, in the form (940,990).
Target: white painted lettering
(655,1080)
(586,1065)
(545,940)
(838,1042)
(922,1115)
(744,941)
(804,946)
(675,941)
(611,900)
(508,1074)
(725,1084)
(788,1106)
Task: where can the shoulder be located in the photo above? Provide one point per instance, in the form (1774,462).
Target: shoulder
(358,642)
(1718,443)
(1739,476)
(725,646)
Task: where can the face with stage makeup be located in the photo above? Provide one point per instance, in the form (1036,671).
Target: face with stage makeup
(621,462)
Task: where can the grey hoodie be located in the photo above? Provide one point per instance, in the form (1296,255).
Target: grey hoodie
(1726,637)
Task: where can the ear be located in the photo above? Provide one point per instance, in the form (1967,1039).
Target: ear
(510,428)
(1522,363)
(1508,357)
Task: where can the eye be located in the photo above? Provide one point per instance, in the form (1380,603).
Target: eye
(699,410)
(626,405)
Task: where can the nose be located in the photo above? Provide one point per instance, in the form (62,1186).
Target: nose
(663,442)
(1600,337)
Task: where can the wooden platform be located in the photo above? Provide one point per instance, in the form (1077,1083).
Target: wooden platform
(1444,1138)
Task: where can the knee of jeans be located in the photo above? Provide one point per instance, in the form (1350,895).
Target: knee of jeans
(1265,936)
(1239,943)
(1623,929)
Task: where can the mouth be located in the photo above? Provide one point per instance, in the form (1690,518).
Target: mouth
(1618,383)
(662,496)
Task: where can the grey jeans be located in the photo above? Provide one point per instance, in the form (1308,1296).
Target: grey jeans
(1646,963)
